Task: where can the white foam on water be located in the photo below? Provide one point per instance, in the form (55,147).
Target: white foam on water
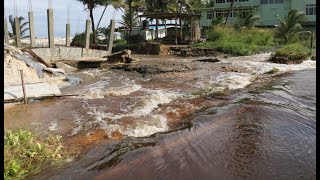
(142,107)
(78,120)
(91,72)
(123,90)
(263,67)
(156,123)
(95,90)
(233,80)
(53,126)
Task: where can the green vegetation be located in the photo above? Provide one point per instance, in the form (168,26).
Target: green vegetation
(295,51)
(248,21)
(290,25)
(23,28)
(26,153)
(238,42)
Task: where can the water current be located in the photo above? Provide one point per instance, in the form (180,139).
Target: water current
(152,127)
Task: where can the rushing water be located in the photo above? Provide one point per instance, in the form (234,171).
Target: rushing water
(256,133)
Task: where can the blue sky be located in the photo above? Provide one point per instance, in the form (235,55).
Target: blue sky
(60,15)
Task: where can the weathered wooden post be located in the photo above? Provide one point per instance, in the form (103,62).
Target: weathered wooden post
(23,88)
(110,35)
(87,34)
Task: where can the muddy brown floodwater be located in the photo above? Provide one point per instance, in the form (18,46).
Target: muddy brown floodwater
(131,125)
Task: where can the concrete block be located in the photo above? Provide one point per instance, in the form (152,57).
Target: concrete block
(32,90)
(87,34)
(17,30)
(67,35)
(31,29)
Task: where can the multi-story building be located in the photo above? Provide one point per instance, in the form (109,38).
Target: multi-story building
(265,9)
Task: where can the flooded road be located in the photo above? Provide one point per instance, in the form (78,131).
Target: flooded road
(146,127)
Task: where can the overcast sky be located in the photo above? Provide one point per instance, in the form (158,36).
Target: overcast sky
(77,15)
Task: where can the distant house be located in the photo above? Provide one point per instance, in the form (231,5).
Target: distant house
(149,34)
(266,9)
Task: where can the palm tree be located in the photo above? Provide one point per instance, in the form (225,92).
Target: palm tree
(127,20)
(290,25)
(23,27)
(91,4)
(248,21)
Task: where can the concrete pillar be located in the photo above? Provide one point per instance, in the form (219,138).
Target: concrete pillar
(31,29)
(87,34)
(17,30)
(50,29)
(110,36)
(67,35)
(6,34)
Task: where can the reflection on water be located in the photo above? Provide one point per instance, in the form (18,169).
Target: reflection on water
(268,134)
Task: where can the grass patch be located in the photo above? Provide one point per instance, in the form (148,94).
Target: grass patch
(239,42)
(26,153)
(295,51)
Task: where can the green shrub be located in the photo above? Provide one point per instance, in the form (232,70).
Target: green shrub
(25,153)
(295,51)
(239,42)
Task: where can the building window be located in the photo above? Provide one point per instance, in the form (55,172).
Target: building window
(264,1)
(278,1)
(231,0)
(210,15)
(311,9)
(219,13)
(244,12)
(271,1)
(220,1)
(242,0)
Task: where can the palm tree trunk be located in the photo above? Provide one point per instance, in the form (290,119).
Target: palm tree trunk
(231,5)
(92,26)
(101,16)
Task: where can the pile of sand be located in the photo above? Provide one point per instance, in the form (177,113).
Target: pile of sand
(12,67)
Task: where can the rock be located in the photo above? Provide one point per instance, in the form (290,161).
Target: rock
(73,79)
(120,57)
